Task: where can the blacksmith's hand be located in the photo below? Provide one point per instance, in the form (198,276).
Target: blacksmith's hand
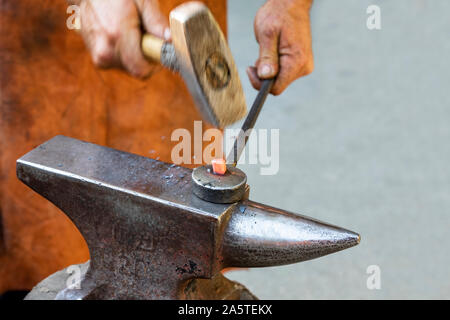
(112,31)
(282,29)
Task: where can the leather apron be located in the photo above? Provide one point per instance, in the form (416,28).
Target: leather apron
(49,87)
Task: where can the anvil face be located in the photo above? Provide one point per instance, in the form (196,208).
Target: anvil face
(135,213)
(148,233)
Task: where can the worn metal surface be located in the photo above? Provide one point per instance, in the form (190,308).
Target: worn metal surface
(149,235)
(206,64)
(218,288)
(259,236)
(226,188)
(230,187)
(169,57)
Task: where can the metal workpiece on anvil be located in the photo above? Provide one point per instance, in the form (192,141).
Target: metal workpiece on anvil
(219,188)
(150,236)
(230,186)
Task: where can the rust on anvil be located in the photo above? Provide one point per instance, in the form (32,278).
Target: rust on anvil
(150,237)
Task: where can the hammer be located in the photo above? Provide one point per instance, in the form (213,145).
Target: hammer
(199,52)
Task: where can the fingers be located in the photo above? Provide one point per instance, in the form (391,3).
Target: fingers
(112,33)
(253,77)
(153,20)
(282,29)
(267,37)
(289,71)
(98,41)
(293,64)
(296,59)
(131,56)
(102,49)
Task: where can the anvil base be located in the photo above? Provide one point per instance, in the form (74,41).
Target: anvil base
(218,288)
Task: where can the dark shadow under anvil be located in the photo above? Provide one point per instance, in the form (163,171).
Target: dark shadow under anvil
(150,237)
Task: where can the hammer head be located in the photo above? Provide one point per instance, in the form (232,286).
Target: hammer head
(206,64)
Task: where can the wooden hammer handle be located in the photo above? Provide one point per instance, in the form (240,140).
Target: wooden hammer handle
(159,51)
(151,47)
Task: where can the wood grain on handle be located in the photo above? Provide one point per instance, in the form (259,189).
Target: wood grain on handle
(151,47)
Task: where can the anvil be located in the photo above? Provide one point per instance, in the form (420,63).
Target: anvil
(151,237)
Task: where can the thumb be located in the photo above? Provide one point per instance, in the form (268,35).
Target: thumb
(268,54)
(154,21)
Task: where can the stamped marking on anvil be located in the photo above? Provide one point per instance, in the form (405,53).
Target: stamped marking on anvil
(136,266)
(149,239)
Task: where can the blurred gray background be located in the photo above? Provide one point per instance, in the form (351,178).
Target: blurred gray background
(365,145)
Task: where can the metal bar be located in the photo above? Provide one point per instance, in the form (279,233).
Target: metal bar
(249,122)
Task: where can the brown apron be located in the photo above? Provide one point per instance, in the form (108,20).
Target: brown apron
(49,86)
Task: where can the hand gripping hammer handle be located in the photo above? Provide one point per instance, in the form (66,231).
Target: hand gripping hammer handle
(160,51)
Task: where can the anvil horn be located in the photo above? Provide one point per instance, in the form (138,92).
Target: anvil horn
(261,236)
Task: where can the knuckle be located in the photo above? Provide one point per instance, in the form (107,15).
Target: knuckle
(267,57)
(279,87)
(301,60)
(259,18)
(269,31)
(102,57)
(277,91)
(304,64)
(112,33)
(140,72)
(309,68)
(255,85)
